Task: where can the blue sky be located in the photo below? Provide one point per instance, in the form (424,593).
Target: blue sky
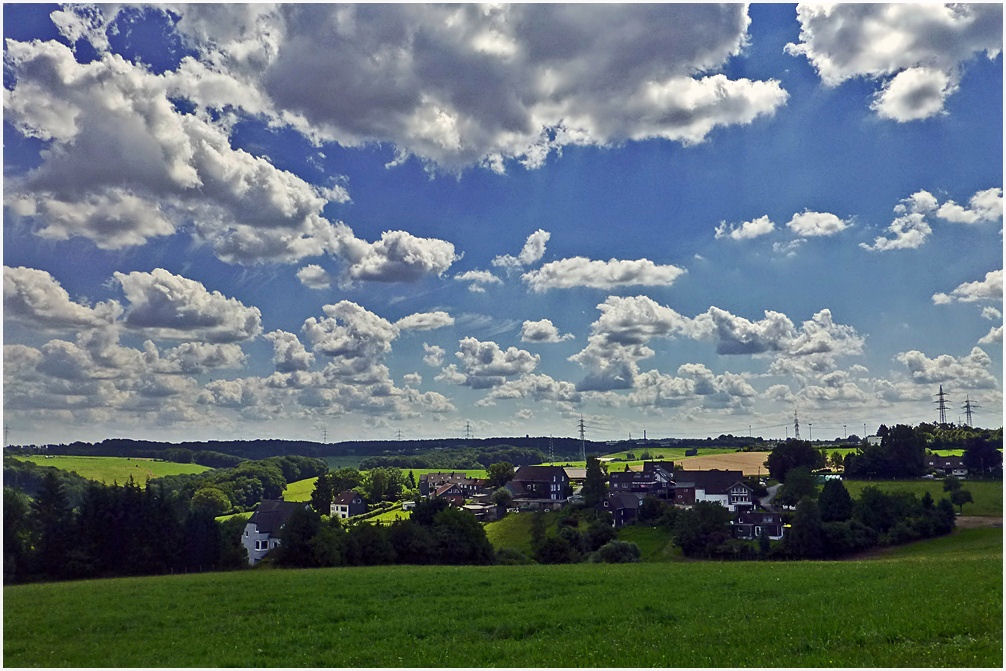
(232,221)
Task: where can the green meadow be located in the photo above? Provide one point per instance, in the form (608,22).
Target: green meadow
(299,490)
(987,494)
(938,603)
(115,469)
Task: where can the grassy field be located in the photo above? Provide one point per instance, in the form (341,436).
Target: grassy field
(115,469)
(940,604)
(988,495)
(299,490)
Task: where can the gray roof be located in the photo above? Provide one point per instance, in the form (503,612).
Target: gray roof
(271,515)
(346,497)
(713,482)
(539,473)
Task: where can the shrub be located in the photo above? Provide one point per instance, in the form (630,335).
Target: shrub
(619,552)
(512,557)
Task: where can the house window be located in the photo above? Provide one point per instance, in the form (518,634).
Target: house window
(757,531)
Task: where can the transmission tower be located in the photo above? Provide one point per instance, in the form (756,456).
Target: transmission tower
(968,405)
(941,403)
(583,444)
(399,434)
(796,426)
(551,451)
(324,434)
(468,430)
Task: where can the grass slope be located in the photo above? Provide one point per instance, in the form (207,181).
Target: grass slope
(299,490)
(988,495)
(898,611)
(115,469)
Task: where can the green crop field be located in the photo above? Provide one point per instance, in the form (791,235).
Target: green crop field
(115,469)
(988,495)
(941,605)
(299,490)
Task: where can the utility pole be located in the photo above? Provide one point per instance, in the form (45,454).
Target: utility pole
(968,405)
(583,444)
(811,427)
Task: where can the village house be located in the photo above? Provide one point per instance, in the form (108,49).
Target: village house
(724,487)
(623,506)
(262,531)
(749,524)
(468,487)
(534,487)
(347,504)
(945,466)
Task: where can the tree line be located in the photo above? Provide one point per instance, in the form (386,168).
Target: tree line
(113,531)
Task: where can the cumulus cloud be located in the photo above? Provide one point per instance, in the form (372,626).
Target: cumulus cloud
(533,250)
(289,353)
(989,289)
(398,256)
(970,371)
(536,386)
(582,272)
(917,52)
(314,276)
(34,297)
(425,321)
(412,379)
(995,335)
(985,206)
(816,224)
(913,94)
(356,339)
(477,85)
(434,355)
(478,279)
(487,365)
(196,358)
(163,305)
(746,230)
(909,229)
(542,330)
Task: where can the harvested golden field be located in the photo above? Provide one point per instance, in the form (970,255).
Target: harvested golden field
(751,463)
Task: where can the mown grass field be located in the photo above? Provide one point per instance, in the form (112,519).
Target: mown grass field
(988,495)
(938,605)
(115,469)
(299,490)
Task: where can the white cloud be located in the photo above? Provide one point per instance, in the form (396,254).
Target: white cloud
(910,228)
(542,330)
(434,355)
(473,85)
(989,289)
(913,94)
(995,335)
(478,279)
(356,338)
(991,313)
(533,250)
(398,256)
(582,272)
(34,297)
(970,371)
(917,51)
(789,248)
(815,224)
(746,230)
(412,379)
(986,206)
(487,365)
(538,387)
(314,276)
(289,353)
(425,321)
(196,358)
(163,305)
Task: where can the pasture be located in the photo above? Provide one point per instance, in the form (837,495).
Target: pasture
(115,469)
(299,490)
(939,605)
(987,494)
